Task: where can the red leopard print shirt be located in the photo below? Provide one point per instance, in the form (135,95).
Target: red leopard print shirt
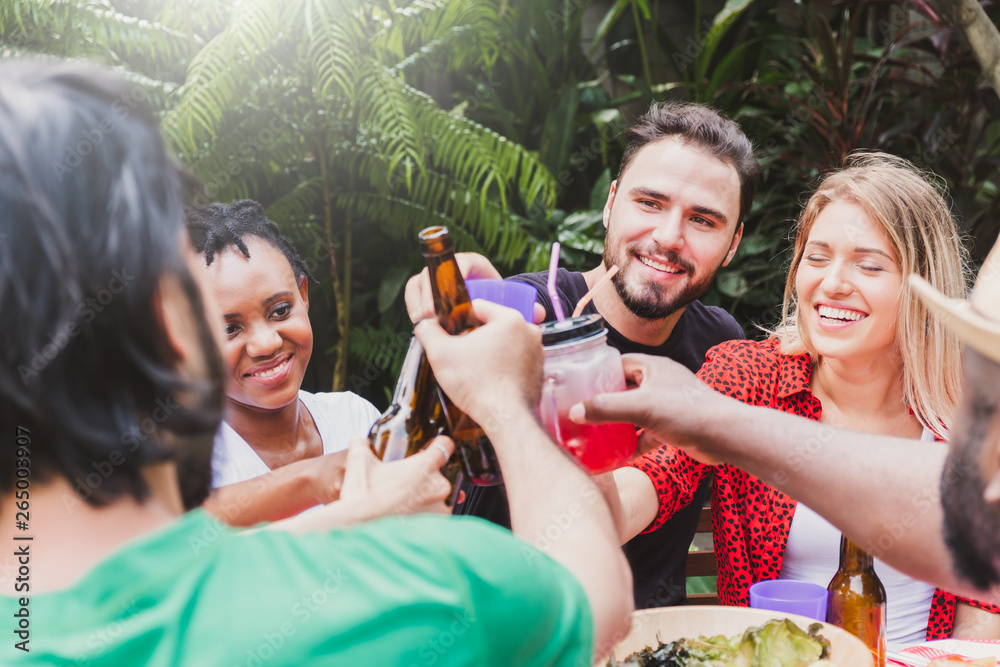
(750,519)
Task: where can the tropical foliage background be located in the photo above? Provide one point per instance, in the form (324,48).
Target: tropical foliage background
(356,123)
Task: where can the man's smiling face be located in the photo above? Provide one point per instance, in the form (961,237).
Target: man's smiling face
(672,221)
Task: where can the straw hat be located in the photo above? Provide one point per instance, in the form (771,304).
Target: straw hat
(976,320)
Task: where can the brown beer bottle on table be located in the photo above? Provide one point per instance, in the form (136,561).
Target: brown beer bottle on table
(454,312)
(856,599)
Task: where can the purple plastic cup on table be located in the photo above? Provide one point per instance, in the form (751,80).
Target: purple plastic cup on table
(519,296)
(793,597)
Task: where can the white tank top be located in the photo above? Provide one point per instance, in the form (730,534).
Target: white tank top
(338,416)
(813,554)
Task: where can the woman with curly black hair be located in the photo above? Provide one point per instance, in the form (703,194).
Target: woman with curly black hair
(279,450)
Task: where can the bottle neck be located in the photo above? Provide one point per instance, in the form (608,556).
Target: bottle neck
(853,558)
(409,374)
(451,298)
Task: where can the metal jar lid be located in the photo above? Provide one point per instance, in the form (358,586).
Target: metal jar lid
(574,329)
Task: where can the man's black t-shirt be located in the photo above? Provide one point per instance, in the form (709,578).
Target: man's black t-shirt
(657,558)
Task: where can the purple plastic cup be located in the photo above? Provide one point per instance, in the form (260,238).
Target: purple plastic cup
(519,296)
(793,597)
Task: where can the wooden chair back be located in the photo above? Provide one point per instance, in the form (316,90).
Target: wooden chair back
(702,563)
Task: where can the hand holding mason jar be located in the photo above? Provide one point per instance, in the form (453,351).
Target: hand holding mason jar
(578,364)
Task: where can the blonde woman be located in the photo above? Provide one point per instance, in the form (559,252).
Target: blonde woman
(855,350)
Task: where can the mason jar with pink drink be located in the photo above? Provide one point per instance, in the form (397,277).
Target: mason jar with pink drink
(579,364)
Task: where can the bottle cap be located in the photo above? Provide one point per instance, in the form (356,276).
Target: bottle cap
(435,241)
(573,329)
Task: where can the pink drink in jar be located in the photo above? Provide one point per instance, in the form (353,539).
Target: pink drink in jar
(579,364)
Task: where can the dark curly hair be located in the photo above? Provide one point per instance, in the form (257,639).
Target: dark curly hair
(215,227)
(91,221)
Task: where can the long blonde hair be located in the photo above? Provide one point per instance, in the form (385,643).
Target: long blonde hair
(913,212)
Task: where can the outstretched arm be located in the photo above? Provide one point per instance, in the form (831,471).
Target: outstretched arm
(281,493)
(874,488)
(975,623)
(373,489)
(494,373)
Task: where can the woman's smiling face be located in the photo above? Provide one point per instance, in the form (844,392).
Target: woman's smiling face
(848,284)
(265,316)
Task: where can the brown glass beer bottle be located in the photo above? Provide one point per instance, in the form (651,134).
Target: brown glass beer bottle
(414,416)
(454,311)
(856,599)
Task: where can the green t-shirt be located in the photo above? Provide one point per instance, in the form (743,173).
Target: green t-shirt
(422,590)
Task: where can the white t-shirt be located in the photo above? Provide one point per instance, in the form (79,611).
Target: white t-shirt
(813,554)
(339,417)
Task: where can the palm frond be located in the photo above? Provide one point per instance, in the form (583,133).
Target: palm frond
(256,138)
(219,75)
(335,48)
(433,197)
(386,104)
(459,33)
(481,159)
(444,53)
(201,18)
(296,209)
(75,28)
(159,93)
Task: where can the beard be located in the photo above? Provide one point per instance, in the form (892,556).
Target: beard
(971,525)
(648,300)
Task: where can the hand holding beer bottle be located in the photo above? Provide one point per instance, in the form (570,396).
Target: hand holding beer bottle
(454,313)
(414,416)
(419,410)
(497,388)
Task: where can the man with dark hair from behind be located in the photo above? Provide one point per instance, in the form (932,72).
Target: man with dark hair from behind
(110,390)
(674,217)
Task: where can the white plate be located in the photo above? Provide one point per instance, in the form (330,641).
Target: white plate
(651,626)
